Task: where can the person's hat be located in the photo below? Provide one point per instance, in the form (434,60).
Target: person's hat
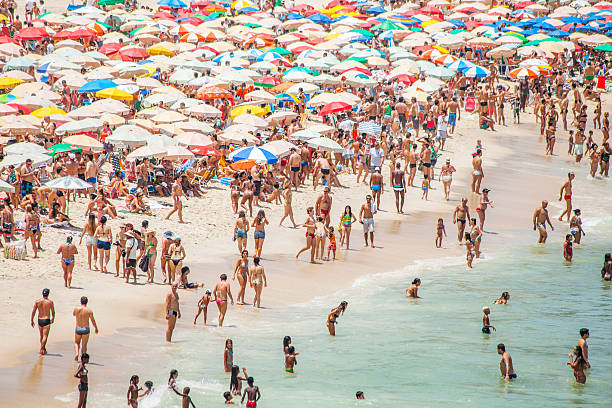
(207,291)
(45,292)
(448,160)
(485,190)
(168,234)
(177,238)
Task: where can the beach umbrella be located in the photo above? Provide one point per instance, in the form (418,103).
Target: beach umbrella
(68,183)
(4,186)
(97,85)
(257,154)
(213,92)
(114,93)
(147,152)
(204,151)
(279,148)
(476,72)
(370,127)
(334,107)
(129,135)
(18,159)
(63,148)
(193,139)
(83,141)
(604,48)
(524,72)
(10,82)
(76,126)
(305,134)
(178,153)
(24,148)
(325,144)
(47,111)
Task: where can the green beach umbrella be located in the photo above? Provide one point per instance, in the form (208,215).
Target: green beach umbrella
(416,29)
(109,2)
(281,51)
(216,14)
(131,33)
(534,43)
(6,98)
(358,59)
(63,148)
(553,39)
(362,32)
(103,24)
(457,31)
(604,47)
(388,25)
(251,25)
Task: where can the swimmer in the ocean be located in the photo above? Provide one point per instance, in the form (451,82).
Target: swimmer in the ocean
(503,299)
(290,360)
(486,324)
(412,291)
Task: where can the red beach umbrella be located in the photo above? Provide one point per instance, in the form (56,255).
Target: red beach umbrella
(213,92)
(110,48)
(133,53)
(31,33)
(204,151)
(334,107)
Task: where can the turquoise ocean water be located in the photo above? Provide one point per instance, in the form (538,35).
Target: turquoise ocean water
(427,353)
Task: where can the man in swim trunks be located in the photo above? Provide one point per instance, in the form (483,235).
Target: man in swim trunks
(294,167)
(91,171)
(477,173)
(46,317)
(68,251)
(401,108)
(323,205)
(398,178)
(566,194)
(252,393)
(540,218)
(173,310)
(376,185)
(453,111)
(366,218)
(83,315)
(460,217)
(505,364)
(221,292)
(28,178)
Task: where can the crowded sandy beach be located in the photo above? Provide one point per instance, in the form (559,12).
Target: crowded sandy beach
(417,189)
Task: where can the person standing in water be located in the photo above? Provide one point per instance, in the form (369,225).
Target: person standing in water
(576,226)
(173,310)
(413,290)
(203,307)
(582,343)
(483,203)
(505,364)
(578,365)
(503,299)
(132,392)
(82,375)
(83,315)
(566,194)
(228,356)
(68,251)
(221,292)
(486,324)
(568,252)
(257,279)
(46,317)
(290,360)
(540,218)
(252,393)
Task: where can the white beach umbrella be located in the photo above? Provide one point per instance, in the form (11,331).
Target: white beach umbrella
(178,153)
(76,126)
(68,183)
(130,135)
(279,148)
(24,148)
(6,187)
(193,139)
(19,159)
(147,152)
(325,144)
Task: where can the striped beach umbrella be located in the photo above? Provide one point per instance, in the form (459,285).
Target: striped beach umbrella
(255,153)
(476,72)
(370,127)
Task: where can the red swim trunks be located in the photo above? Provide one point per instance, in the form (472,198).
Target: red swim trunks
(567,197)
(323,211)
(251,404)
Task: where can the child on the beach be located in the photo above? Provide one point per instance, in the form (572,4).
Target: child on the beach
(186,398)
(203,307)
(132,393)
(228,398)
(570,142)
(567,248)
(425,186)
(440,230)
(332,243)
(148,390)
(469,247)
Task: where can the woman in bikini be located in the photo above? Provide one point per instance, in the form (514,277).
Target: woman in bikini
(90,241)
(604,162)
(242,266)
(476,234)
(235,191)
(259,223)
(177,200)
(247,194)
(348,218)
(288,196)
(151,252)
(176,254)
(240,231)
(446,176)
(578,365)
(228,356)
(257,278)
(120,248)
(309,224)
(32,229)
(331,322)
(595,158)
(83,387)
(362,159)
(484,202)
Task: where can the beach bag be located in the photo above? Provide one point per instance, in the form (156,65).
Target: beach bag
(144,263)
(470,104)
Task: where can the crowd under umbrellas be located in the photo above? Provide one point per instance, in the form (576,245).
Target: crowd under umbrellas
(236,87)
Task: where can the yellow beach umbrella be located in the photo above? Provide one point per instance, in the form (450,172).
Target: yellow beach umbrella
(441,49)
(114,93)
(47,111)
(244,109)
(4,18)
(160,50)
(10,82)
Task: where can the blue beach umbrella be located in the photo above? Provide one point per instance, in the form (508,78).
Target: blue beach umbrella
(97,85)
(294,16)
(460,65)
(320,18)
(375,10)
(245,10)
(558,34)
(255,153)
(476,72)
(172,3)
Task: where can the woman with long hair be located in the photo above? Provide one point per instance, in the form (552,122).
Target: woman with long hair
(240,231)
(90,241)
(259,223)
(258,281)
(348,218)
(236,380)
(242,266)
(578,365)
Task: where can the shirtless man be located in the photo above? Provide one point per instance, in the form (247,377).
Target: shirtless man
(83,315)
(28,178)
(305,162)
(221,292)
(540,218)
(401,108)
(323,205)
(477,173)
(168,240)
(398,178)
(142,174)
(104,235)
(505,364)
(566,194)
(377,185)
(252,393)
(177,199)
(46,317)
(91,171)
(582,343)
(564,105)
(294,168)
(366,218)
(321,169)
(68,251)
(454,114)
(579,144)
(173,310)
(460,217)
(411,162)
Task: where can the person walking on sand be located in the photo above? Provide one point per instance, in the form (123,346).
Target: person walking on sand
(398,178)
(486,324)
(83,315)
(366,218)
(259,223)
(484,202)
(346,223)
(46,317)
(310,226)
(460,217)
(32,229)
(505,364)
(221,292)
(257,279)
(323,205)
(439,231)
(566,194)
(377,185)
(165,255)
(177,200)
(251,393)
(446,176)
(203,307)
(413,290)
(89,232)
(228,355)
(477,173)
(104,237)
(176,255)
(173,310)
(540,218)
(288,196)
(68,251)
(241,227)
(242,266)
